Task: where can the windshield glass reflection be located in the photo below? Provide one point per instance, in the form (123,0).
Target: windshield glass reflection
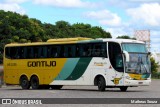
(139,64)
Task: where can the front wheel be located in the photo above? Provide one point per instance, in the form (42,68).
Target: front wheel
(124,88)
(35,82)
(101,84)
(24,83)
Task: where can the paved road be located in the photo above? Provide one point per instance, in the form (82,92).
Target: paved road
(152,91)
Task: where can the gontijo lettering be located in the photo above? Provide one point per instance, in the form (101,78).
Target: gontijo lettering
(41,63)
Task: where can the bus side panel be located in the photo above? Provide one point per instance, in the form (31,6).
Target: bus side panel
(74,72)
(13,69)
(11,73)
(45,69)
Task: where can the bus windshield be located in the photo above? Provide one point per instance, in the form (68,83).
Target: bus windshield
(139,62)
(134,47)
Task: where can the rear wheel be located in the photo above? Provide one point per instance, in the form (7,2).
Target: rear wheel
(24,83)
(124,88)
(101,84)
(35,82)
(57,87)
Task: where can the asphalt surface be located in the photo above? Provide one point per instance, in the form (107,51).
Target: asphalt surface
(152,91)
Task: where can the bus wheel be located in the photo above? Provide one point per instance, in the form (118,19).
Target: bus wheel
(124,88)
(35,82)
(24,83)
(101,84)
(57,87)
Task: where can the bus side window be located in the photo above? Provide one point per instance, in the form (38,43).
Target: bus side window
(115,56)
(61,51)
(96,50)
(14,53)
(99,50)
(29,52)
(42,52)
(7,52)
(21,53)
(45,52)
(104,50)
(35,52)
(69,51)
(66,51)
(77,51)
(89,50)
(85,50)
(54,51)
(73,50)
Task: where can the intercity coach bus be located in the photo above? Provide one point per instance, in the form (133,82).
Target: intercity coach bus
(106,63)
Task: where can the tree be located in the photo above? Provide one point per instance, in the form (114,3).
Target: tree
(123,37)
(154,66)
(20,28)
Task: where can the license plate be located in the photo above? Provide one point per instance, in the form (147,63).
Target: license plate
(140,82)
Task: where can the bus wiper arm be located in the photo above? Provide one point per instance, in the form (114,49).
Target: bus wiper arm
(144,67)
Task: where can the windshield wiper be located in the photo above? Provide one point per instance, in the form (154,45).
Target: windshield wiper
(145,68)
(141,63)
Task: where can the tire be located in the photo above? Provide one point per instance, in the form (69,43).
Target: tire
(124,88)
(24,83)
(35,82)
(57,87)
(101,84)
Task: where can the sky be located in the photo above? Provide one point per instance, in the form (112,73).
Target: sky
(119,17)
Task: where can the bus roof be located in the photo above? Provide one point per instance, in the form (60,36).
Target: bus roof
(74,40)
(123,40)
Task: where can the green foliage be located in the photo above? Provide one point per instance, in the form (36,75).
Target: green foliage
(23,40)
(19,28)
(154,66)
(15,38)
(125,37)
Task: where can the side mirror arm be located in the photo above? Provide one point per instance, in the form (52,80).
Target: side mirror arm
(126,55)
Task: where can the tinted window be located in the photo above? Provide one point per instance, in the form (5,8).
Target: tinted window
(58,51)
(115,56)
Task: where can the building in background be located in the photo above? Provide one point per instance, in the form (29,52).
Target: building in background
(143,35)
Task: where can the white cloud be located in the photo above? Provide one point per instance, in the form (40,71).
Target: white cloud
(115,32)
(155,40)
(12,7)
(147,14)
(143,0)
(105,17)
(15,1)
(66,3)
(155,47)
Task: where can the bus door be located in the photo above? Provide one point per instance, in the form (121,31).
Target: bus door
(116,60)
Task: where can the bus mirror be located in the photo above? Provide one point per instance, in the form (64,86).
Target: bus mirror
(126,55)
(149,53)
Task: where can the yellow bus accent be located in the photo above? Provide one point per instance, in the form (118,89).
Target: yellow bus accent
(68,39)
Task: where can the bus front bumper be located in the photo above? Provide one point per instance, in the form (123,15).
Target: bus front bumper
(128,82)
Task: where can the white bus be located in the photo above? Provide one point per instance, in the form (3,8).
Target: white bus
(106,63)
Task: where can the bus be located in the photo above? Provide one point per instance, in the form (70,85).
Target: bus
(105,63)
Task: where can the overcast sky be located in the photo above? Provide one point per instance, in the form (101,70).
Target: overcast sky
(119,17)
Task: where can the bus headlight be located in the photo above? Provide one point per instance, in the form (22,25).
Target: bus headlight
(128,77)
